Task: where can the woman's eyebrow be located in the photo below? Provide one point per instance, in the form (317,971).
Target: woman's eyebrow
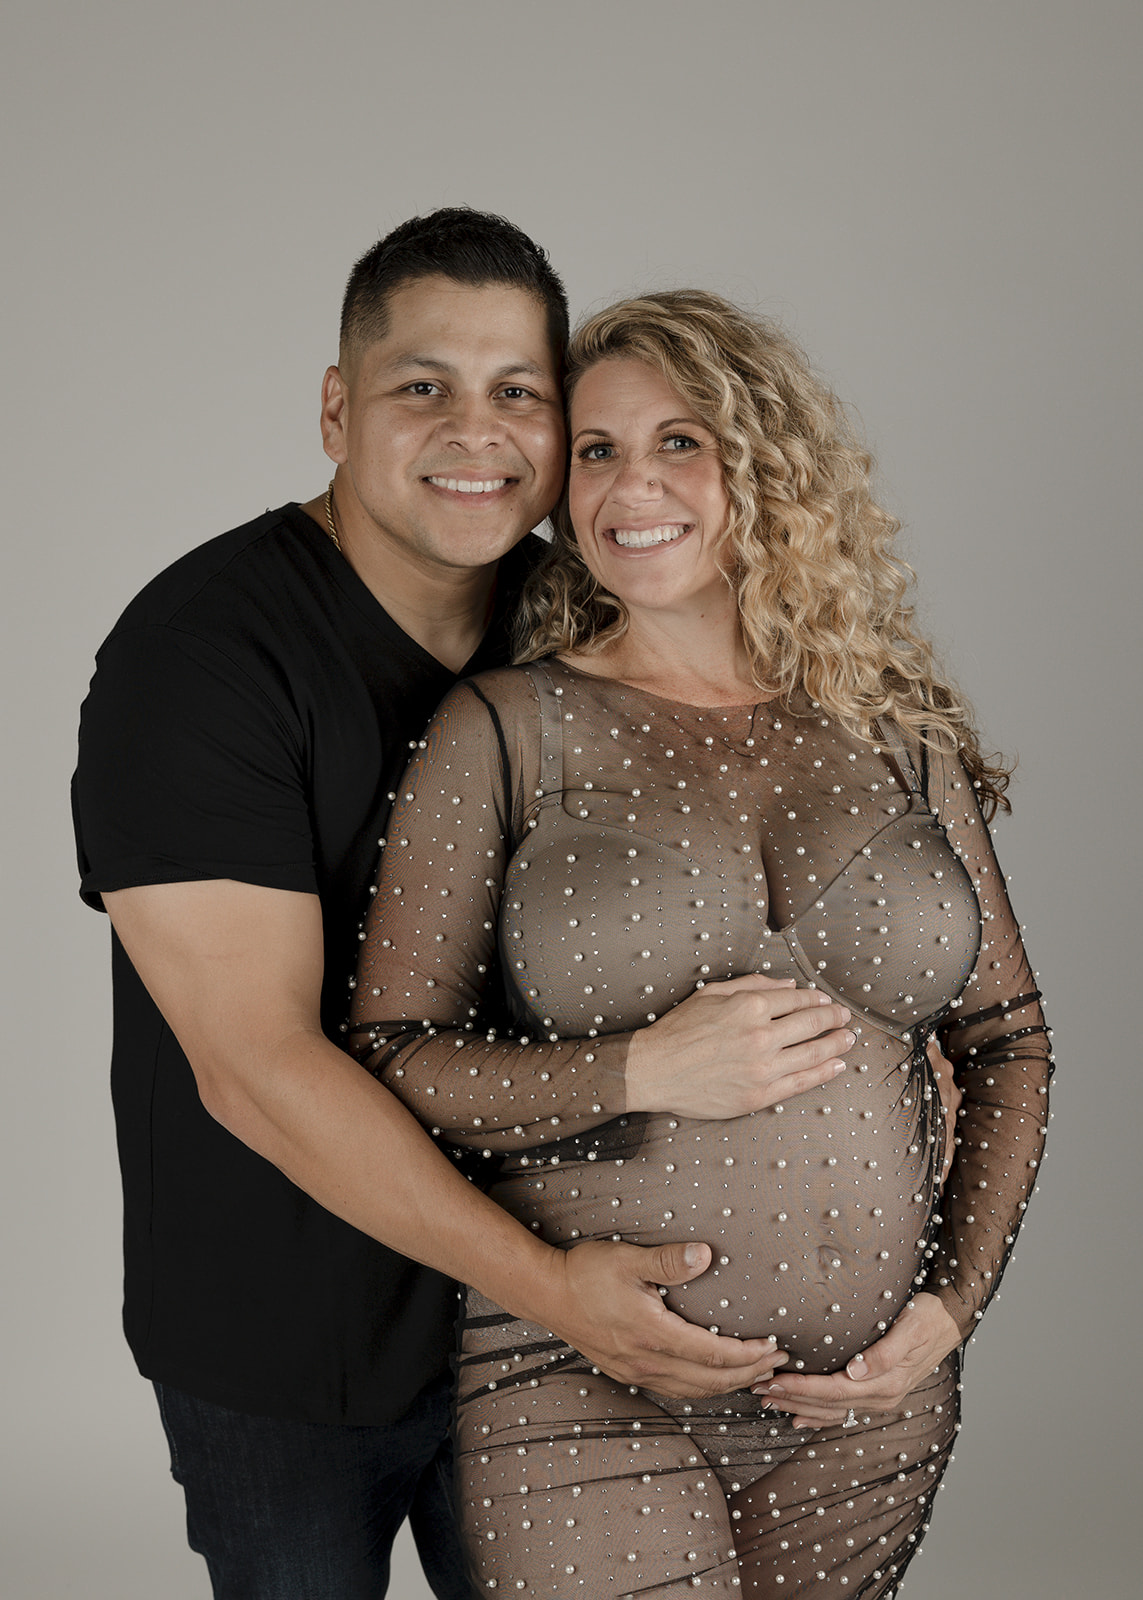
(671,422)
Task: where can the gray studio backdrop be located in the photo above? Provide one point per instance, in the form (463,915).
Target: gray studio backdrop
(940,200)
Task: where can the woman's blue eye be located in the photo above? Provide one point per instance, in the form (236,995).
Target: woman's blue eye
(680,441)
(595,452)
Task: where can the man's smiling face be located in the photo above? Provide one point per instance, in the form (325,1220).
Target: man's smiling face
(448,431)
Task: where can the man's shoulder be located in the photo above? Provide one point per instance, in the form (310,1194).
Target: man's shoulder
(249,564)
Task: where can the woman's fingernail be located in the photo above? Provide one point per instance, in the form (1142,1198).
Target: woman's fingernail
(857,1368)
(836,1067)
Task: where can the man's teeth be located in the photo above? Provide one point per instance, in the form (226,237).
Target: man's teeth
(470,485)
(641,537)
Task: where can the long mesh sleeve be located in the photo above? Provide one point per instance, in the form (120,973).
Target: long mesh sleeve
(998,1044)
(677,844)
(428,984)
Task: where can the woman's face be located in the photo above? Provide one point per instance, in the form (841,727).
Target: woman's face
(646,491)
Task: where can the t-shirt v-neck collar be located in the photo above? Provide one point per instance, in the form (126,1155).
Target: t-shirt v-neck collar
(367,604)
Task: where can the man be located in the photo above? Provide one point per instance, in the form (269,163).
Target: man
(249,718)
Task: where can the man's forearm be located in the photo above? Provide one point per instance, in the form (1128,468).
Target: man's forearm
(350,1144)
(340,1136)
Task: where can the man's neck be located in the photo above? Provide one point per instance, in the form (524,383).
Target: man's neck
(445,609)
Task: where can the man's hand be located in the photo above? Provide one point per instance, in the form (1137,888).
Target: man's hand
(880,1379)
(603,1299)
(236,971)
(731,1048)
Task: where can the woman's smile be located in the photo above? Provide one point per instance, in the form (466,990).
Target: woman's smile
(646,538)
(646,490)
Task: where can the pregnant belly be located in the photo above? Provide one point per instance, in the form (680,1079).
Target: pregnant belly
(817,1211)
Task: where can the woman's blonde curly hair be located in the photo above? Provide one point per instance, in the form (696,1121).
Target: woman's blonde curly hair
(822,600)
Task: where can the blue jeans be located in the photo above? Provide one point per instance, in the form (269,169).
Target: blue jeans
(302,1511)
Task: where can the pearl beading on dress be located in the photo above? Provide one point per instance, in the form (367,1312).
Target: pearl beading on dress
(568,859)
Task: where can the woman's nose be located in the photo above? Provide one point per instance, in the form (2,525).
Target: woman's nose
(637,481)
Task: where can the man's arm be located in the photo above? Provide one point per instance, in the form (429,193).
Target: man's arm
(236,970)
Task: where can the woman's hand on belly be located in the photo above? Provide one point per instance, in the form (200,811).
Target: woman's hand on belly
(881,1379)
(736,1047)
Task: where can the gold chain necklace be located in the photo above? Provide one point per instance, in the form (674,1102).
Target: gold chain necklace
(330,525)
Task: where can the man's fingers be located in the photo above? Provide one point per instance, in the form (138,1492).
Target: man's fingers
(673,1263)
(615,1316)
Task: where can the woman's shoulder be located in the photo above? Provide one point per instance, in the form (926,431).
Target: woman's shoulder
(935,766)
(529,681)
(533,695)
(505,687)
(508,696)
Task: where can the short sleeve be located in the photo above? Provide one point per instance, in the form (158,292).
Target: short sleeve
(189,768)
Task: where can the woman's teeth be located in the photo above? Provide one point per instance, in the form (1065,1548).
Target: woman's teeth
(469,485)
(641,537)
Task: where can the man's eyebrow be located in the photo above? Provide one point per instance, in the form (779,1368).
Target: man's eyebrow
(427,363)
(411,358)
(530,369)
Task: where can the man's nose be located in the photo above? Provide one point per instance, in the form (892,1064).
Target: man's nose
(473,422)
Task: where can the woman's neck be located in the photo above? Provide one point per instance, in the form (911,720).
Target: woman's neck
(699,660)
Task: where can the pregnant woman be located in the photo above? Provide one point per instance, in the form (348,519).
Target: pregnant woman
(728,752)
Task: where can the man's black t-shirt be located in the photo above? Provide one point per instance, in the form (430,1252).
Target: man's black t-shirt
(249,718)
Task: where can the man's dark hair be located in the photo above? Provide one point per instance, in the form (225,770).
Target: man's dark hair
(471,247)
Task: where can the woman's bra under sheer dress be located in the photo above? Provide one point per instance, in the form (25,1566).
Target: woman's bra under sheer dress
(569,857)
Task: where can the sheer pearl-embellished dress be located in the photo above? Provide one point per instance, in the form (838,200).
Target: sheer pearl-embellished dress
(567,859)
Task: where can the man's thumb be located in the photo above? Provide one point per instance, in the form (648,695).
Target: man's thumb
(677,1263)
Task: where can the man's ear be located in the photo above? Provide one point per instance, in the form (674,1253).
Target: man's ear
(334,407)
